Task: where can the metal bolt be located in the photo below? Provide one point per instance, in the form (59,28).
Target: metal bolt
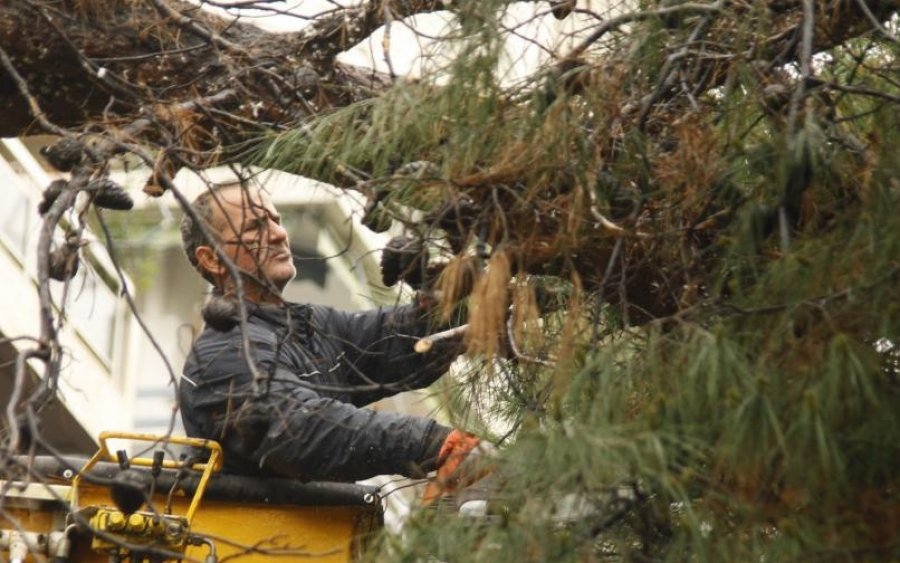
(68,474)
(116,521)
(136,523)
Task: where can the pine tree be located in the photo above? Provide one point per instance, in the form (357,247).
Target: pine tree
(686,309)
(676,243)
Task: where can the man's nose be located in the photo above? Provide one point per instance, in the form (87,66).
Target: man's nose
(277,232)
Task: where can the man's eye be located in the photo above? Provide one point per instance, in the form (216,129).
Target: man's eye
(255,225)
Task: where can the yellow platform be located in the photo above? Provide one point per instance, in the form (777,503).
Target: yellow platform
(57,511)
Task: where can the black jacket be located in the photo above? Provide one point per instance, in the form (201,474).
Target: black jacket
(318,366)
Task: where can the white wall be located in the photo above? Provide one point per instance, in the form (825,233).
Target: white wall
(91,384)
(170,307)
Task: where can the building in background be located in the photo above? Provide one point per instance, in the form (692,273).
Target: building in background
(116,374)
(96,390)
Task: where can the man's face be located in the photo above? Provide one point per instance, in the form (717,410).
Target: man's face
(250,233)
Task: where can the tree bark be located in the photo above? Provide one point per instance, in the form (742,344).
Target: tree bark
(198,89)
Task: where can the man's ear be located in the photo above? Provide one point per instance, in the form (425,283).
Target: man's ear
(209,261)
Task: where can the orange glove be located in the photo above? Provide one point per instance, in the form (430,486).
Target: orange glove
(463,459)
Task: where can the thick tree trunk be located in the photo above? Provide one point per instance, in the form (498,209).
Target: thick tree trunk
(100,63)
(193,87)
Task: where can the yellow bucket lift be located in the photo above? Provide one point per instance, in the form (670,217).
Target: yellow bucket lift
(112,508)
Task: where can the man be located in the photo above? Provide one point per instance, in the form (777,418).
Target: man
(290,405)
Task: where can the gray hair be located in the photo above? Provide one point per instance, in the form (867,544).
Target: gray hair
(192,235)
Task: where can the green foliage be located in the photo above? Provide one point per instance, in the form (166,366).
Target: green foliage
(720,381)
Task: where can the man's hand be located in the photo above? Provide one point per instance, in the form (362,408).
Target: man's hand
(463,460)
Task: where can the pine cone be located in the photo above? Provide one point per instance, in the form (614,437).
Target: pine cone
(403,258)
(456,215)
(457,218)
(221,314)
(562,8)
(110,195)
(64,259)
(375,218)
(65,154)
(390,265)
(50,194)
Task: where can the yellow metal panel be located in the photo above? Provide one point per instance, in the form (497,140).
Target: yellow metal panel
(236,531)
(246,533)
(284,533)
(250,533)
